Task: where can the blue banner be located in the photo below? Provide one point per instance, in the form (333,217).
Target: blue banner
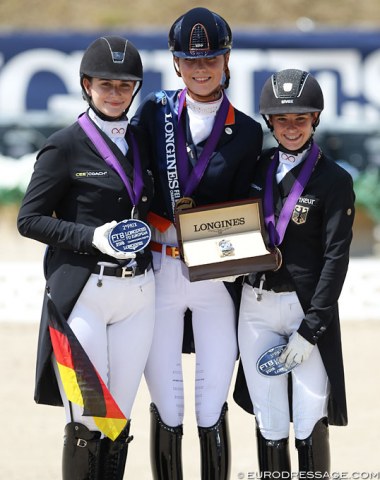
(39,72)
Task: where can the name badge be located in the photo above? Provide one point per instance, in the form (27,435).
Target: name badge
(130,236)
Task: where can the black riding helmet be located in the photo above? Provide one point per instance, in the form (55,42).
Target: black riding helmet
(111,58)
(291,91)
(200,33)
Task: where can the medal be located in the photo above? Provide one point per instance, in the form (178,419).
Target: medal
(278,255)
(130,236)
(184,203)
(269,365)
(135,213)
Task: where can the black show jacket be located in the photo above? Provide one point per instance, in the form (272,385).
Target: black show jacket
(72,191)
(315,252)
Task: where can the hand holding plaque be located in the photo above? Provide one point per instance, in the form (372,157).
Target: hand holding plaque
(101,242)
(270,365)
(297,351)
(129,236)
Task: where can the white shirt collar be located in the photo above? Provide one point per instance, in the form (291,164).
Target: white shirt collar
(114,130)
(202,117)
(287,161)
(204,109)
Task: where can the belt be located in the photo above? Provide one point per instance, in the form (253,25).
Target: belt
(121,272)
(277,288)
(170,251)
(285,287)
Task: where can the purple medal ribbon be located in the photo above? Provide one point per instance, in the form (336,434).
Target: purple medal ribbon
(108,156)
(190,182)
(276,232)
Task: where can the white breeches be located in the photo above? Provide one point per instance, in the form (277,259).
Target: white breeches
(263,325)
(214,327)
(114,324)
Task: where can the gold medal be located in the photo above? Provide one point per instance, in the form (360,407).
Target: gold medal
(184,203)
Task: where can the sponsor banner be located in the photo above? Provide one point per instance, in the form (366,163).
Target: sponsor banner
(39,72)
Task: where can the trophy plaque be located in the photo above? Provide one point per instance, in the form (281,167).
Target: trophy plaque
(269,365)
(130,236)
(224,239)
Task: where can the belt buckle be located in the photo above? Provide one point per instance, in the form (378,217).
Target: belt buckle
(128,272)
(174,252)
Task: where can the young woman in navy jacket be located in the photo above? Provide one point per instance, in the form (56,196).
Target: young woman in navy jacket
(204,152)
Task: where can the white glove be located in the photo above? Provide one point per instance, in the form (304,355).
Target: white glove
(230,279)
(297,351)
(100,241)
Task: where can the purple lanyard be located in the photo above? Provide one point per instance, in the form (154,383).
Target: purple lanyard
(189,182)
(277,231)
(108,156)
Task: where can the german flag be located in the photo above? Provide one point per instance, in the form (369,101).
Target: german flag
(81,381)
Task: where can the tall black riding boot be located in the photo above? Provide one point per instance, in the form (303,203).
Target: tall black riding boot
(113,455)
(273,455)
(215,449)
(314,451)
(165,448)
(81,453)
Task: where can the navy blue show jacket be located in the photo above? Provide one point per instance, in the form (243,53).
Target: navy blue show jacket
(228,174)
(230,169)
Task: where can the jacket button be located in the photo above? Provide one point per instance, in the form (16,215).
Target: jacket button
(120,199)
(144,198)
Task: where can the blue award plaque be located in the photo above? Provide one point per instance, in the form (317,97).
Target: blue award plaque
(269,365)
(130,236)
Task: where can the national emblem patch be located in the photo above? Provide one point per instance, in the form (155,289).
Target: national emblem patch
(299,214)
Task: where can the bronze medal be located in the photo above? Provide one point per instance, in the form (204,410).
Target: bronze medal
(184,203)
(278,256)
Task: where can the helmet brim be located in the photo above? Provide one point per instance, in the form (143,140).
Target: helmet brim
(110,76)
(291,109)
(199,54)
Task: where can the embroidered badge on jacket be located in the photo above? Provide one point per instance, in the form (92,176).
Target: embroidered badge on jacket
(299,214)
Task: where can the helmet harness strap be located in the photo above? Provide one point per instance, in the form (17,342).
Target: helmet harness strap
(101,115)
(304,146)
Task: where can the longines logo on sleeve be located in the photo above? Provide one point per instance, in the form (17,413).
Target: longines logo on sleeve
(219,226)
(91,174)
